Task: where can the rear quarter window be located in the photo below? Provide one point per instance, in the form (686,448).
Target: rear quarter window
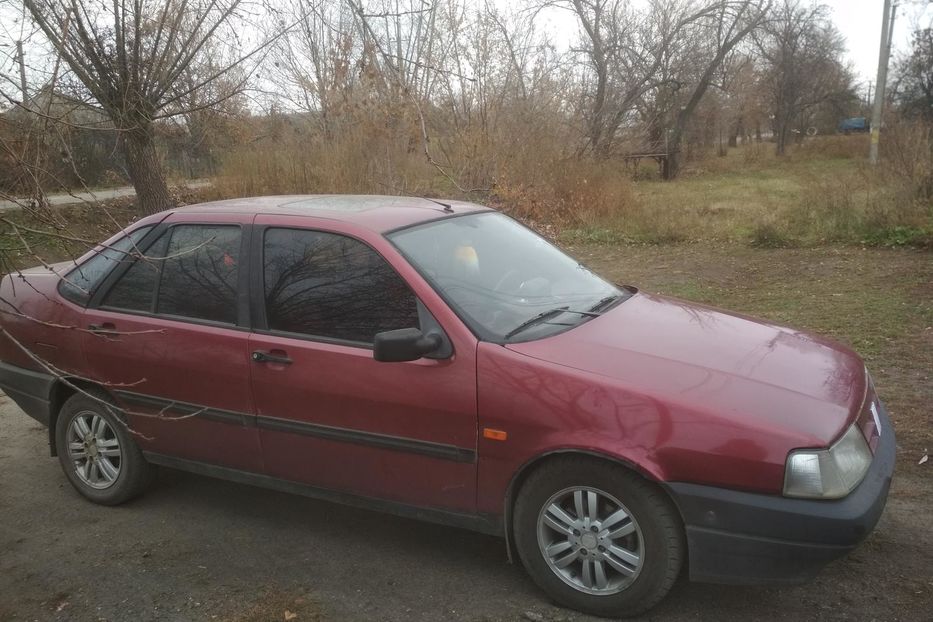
(191,271)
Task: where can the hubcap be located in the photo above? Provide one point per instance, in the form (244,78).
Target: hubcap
(590,540)
(94,450)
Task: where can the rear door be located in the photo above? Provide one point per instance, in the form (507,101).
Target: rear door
(170,339)
(328,413)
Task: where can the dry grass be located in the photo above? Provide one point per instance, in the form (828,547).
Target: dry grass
(822,192)
(522,164)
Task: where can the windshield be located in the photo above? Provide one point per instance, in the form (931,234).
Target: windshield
(505,281)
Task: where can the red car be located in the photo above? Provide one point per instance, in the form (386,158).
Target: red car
(441,361)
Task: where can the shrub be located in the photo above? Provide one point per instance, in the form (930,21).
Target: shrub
(853,146)
(767,235)
(907,157)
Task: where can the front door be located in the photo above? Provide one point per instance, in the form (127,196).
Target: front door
(328,413)
(170,341)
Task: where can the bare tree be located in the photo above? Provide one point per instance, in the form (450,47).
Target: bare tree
(628,52)
(801,53)
(719,32)
(315,59)
(913,86)
(131,55)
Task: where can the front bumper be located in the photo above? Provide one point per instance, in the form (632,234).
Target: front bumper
(746,538)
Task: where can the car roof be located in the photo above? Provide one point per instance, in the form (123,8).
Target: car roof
(375,212)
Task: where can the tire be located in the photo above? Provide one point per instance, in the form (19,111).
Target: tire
(117,471)
(647,542)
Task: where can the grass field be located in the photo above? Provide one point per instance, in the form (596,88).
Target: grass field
(822,192)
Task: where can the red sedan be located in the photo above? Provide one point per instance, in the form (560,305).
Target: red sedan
(440,360)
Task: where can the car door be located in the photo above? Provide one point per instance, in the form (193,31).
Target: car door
(328,413)
(169,338)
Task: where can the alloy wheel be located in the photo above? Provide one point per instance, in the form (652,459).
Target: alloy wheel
(590,540)
(94,449)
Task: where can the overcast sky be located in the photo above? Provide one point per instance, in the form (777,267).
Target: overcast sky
(860,23)
(858,20)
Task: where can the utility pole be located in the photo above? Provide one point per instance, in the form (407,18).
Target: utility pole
(22,70)
(884,53)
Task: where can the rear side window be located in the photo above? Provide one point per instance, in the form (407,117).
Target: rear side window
(331,286)
(199,275)
(191,271)
(135,291)
(79,284)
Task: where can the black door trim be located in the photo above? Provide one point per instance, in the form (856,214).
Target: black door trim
(174,408)
(441,451)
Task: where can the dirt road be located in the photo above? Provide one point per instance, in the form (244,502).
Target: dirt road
(103,194)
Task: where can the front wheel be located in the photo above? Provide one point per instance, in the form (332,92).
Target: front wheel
(597,537)
(97,452)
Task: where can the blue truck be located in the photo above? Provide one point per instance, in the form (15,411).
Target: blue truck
(854,124)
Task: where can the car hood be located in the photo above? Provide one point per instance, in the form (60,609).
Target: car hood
(719,364)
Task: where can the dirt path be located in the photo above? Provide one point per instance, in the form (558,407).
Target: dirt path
(104,194)
(200,549)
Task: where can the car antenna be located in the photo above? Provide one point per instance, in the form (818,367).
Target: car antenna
(447,207)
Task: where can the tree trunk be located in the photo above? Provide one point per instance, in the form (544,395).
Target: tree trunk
(145,169)
(670,165)
(780,136)
(601,66)
(737,130)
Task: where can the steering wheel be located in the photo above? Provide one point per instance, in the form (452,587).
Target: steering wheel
(509,274)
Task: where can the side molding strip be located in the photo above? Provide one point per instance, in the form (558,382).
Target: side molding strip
(398,443)
(174,408)
(440,451)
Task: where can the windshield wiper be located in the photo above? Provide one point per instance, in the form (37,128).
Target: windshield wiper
(604,302)
(544,316)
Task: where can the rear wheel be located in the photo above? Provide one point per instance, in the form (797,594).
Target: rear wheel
(97,452)
(597,537)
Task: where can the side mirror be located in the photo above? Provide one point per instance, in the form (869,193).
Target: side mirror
(404,344)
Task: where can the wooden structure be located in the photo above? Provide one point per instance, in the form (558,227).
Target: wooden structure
(661,157)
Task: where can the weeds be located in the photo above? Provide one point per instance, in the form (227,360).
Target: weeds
(768,235)
(821,192)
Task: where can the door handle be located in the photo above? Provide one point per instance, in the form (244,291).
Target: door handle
(107,328)
(267,357)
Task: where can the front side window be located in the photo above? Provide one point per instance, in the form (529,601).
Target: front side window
(194,269)
(80,283)
(505,281)
(332,286)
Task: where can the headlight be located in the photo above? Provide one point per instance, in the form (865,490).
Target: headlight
(828,473)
